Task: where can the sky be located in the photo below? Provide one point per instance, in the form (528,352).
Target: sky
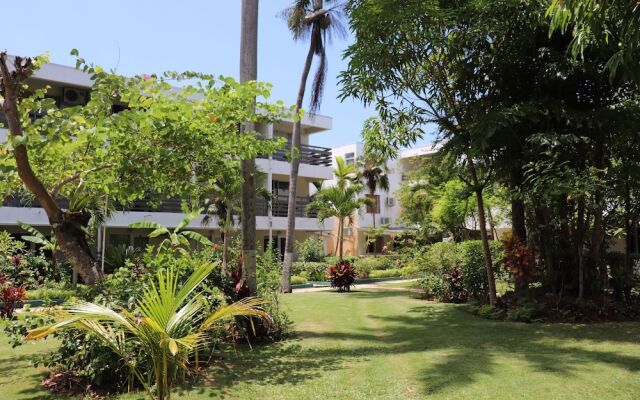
(145,36)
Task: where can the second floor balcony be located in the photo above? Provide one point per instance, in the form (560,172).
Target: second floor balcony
(311,155)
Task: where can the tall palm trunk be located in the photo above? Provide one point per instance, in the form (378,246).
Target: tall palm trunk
(285,281)
(225,240)
(341,236)
(249,72)
(373,216)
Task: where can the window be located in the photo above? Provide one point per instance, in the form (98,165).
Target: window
(350,158)
(280,188)
(376,204)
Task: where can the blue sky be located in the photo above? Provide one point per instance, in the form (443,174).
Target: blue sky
(146,36)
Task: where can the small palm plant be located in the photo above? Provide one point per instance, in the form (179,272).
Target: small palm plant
(169,325)
(45,244)
(177,239)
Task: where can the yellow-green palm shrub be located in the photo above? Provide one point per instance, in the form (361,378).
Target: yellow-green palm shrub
(169,325)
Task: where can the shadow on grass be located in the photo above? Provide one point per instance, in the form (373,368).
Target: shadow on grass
(467,344)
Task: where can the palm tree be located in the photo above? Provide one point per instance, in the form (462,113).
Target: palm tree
(339,203)
(374,175)
(169,325)
(307,19)
(224,201)
(177,239)
(249,72)
(345,174)
(45,244)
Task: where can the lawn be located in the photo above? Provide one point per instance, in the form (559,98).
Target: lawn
(388,345)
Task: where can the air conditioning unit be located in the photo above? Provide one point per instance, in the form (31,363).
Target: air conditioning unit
(390,202)
(73,97)
(385,221)
(348,231)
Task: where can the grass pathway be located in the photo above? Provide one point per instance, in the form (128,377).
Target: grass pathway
(380,344)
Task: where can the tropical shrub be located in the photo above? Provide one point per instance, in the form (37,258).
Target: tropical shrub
(10,297)
(311,249)
(366,265)
(526,313)
(384,273)
(168,325)
(331,260)
(268,268)
(313,271)
(473,269)
(518,259)
(341,275)
(298,280)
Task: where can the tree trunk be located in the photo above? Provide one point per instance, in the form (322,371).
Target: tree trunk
(249,72)
(488,263)
(373,215)
(71,240)
(341,236)
(285,281)
(225,240)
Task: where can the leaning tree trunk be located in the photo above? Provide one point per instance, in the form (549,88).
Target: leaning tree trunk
(249,72)
(71,240)
(285,280)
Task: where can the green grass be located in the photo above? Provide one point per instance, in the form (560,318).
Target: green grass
(389,345)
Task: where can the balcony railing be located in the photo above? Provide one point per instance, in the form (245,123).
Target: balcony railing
(312,155)
(280,205)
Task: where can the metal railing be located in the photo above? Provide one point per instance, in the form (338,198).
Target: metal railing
(312,155)
(280,205)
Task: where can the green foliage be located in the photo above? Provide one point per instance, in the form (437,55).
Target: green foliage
(526,313)
(384,273)
(472,264)
(268,268)
(298,280)
(313,271)
(366,265)
(489,312)
(172,326)
(335,259)
(311,249)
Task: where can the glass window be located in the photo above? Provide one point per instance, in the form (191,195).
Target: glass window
(350,158)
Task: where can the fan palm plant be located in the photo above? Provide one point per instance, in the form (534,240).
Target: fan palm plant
(168,326)
(35,236)
(307,19)
(342,204)
(177,239)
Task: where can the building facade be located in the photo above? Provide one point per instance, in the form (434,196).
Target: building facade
(70,87)
(387,210)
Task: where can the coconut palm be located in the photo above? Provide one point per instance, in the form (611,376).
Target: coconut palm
(45,244)
(249,72)
(341,204)
(307,19)
(176,239)
(170,323)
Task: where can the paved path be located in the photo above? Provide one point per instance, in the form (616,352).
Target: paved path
(382,285)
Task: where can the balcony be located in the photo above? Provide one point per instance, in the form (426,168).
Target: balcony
(281,203)
(311,155)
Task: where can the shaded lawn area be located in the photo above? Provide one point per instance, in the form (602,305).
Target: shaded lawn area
(389,345)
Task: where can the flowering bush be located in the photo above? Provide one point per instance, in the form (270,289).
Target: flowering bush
(10,297)
(341,275)
(518,258)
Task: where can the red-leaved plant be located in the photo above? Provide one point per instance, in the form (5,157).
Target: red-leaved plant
(10,296)
(341,275)
(518,258)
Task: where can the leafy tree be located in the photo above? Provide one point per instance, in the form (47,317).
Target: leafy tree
(307,19)
(154,147)
(341,204)
(346,174)
(593,22)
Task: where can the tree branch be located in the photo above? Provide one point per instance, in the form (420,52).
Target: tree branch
(60,184)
